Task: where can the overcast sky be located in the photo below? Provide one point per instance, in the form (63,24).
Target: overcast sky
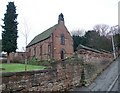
(39,15)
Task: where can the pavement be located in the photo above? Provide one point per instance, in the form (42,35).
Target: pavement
(107,81)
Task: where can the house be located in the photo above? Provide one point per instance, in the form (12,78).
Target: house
(54,43)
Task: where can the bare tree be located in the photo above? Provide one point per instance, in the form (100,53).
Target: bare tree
(118,29)
(102,29)
(25,34)
(114,30)
(78,32)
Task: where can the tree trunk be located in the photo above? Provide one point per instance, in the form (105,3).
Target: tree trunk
(25,60)
(8,58)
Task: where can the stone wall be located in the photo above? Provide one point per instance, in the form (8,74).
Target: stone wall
(90,55)
(62,76)
(94,62)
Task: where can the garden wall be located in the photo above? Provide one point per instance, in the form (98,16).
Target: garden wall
(63,76)
(94,62)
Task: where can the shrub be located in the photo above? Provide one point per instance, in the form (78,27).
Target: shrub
(35,61)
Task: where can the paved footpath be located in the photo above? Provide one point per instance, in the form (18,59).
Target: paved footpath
(105,81)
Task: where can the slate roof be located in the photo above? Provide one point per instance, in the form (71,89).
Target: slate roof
(44,35)
(87,48)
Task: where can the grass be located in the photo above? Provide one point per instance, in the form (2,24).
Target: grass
(14,67)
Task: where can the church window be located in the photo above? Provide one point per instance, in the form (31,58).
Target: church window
(62,39)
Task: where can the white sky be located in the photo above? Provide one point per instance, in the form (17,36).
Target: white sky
(39,15)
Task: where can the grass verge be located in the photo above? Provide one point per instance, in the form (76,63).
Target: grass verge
(14,67)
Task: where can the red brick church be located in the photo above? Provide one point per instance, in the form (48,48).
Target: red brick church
(54,43)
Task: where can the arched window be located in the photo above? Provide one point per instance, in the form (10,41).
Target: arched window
(40,50)
(34,51)
(49,48)
(62,39)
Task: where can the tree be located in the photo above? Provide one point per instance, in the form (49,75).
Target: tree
(91,38)
(76,41)
(78,32)
(9,33)
(78,38)
(25,34)
(101,28)
(94,40)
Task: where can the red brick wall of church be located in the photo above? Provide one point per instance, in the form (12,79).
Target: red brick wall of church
(56,46)
(68,47)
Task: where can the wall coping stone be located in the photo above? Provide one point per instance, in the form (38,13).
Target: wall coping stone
(101,51)
(9,74)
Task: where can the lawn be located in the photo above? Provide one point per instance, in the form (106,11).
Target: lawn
(14,67)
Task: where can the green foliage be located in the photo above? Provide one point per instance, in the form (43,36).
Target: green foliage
(78,40)
(93,39)
(35,61)
(74,59)
(9,33)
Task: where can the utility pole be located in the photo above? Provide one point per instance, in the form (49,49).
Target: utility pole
(113,44)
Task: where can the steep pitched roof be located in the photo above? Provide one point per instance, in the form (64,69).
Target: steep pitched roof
(44,35)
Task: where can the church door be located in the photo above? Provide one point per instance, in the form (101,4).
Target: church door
(62,54)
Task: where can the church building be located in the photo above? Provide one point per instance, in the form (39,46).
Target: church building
(54,43)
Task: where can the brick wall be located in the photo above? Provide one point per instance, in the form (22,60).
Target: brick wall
(55,41)
(39,50)
(17,57)
(68,46)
